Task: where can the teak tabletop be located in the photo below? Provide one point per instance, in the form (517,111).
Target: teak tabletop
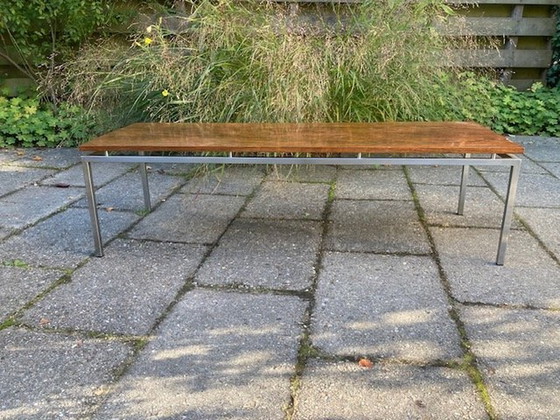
(387,137)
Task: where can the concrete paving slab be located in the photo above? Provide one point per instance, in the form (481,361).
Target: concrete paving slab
(518,352)
(372,184)
(194,218)
(376,226)
(60,158)
(218,355)
(527,166)
(528,277)
(13,178)
(288,200)
(554,168)
(10,155)
(384,306)
(125,193)
(176,169)
(442,175)
(302,173)
(346,391)
(546,224)
(19,285)
(236,180)
(541,149)
(63,240)
(123,292)
(533,190)
(26,207)
(276,254)
(4,232)
(482,207)
(48,376)
(102,174)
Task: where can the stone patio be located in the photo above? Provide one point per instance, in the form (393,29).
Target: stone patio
(292,293)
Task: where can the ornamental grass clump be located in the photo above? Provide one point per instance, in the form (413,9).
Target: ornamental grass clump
(257,61)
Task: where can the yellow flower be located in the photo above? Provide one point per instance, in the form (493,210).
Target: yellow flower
(147,41)
(165,92)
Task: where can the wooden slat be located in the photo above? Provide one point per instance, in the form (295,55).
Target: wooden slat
(521,84)
(489,26)
(405,137)
(501,58)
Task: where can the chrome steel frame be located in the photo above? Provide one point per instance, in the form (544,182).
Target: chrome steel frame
(512,161)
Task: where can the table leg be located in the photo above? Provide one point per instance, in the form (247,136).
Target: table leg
(463,190)
(508,212)
(92,205)
(145,185)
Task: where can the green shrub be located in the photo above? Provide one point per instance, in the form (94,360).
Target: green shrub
(26,122)
(252,61)
(39,33)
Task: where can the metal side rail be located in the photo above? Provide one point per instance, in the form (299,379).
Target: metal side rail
(465,162)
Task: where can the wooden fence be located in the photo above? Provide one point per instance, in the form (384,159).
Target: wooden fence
(520,32)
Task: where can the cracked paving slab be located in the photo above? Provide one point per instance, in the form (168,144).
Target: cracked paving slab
(13,178)
(518,352)
(554,168)
(376,226)
(102,174)
(344,390)
(60,158)
(534,190)
(54,375)
(20,285)
(124,292)
(41,245)
(482,207)
(277,254)
(546,224)
(372,185)
(528,277)
(288,200)
(442,175)
(26,207)
(217,355)
(237,180)
(385,306)
(191,218)
(541,149)
(125,193)
(302,173)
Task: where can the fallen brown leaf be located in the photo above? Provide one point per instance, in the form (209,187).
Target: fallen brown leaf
(44,321)
(37,158)
(365,363)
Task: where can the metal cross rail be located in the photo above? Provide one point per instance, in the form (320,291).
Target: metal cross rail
(507,160)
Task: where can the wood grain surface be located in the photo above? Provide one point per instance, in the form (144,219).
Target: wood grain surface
(382,138)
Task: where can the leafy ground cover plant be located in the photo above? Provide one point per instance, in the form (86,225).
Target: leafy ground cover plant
(504,108)
(26,122)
